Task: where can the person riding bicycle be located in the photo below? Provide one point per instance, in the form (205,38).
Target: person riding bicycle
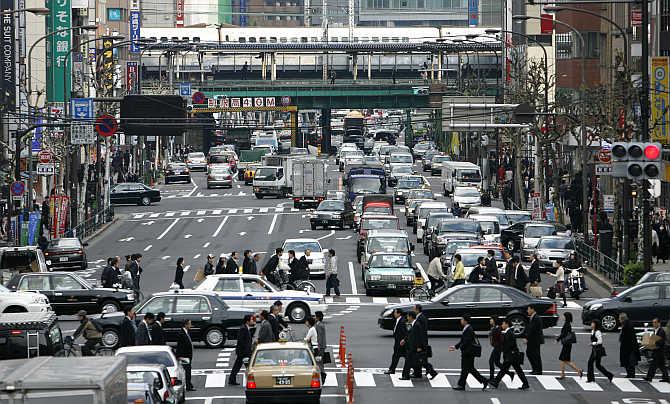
(91,332)
(271,269)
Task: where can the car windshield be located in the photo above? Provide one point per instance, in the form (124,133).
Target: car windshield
(301,246)
(371,185)
(351,153)
(434,219)
(538,231)
(400,158)
(139,358)
(452,246)
(424,212)
(467,192)
(143,376)
(422,146)
(409,183)
(502,219)
(458,227)
(265,173)
(389,261)
(402,170)
(470,259)
(374,224)
(440,159)
(174,166)
(283,357)
(266,140)
(218,159)
(370,160)
(388,244)
(494,227)
(517,217)
(469,175)
(220,170)
(381,210)
(198,155)
(331,205)
(556,243)
(65,243)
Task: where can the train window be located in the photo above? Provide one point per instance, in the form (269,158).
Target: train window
(262,39)
(196,39)
(175,39)
(164,39)
(385,39)
(273,39)
(252,39)
(333,39)
(395,39)
(283,40)
(303,39)
(345,39)
(242,39)
(405,39)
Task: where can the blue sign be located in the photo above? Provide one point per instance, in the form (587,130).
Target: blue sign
(244,19)
(135,23)
(82,108)
(473,13)
(17,188)
(36,145)
(185,89)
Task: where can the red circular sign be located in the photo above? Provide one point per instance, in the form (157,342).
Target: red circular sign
(106,125)
(605,156)
(199,97)
(44,156)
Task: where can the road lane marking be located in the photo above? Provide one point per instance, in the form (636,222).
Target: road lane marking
(160,237)
(218,229)
(331,380)
(625,385)
(329,299)
(215,380)
(279,210)
(170,214)
(332,232)
(473,383)
(138,215)
(232,211)
(147,248)
(512,384)
(205,245)
(440,381)
(216,211)
(662,387)
(200,212)
(364,379)
(165,257)
(154,215)
(272,225)
(395,379)
(264,210)
(188,235)
(586,386)
(248,211)
(195,186)
(495,400)
(195,257)
(380,300)
(352,278)
(353,300)
(186,213)
(549,382)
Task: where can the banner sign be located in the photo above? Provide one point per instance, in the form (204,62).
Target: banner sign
(660,99)
(8,27)
(58,46)
(82,108)
(244,19)
(473,13)
(132,75)
(58,208)
(135,23)
(255,102)
(107,69)
(547,24)
(180,14)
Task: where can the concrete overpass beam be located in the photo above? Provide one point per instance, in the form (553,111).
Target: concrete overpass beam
(370,66)
(273,68)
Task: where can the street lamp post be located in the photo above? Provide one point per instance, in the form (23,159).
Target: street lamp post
(584,153)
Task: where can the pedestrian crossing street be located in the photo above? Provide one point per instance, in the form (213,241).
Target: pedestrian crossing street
(211,212)
(447,379)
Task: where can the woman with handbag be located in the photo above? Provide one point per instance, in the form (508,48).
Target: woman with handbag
(566,338)
(597,353)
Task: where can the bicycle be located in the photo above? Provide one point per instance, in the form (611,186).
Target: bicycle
(287,334)
(70,349)
(300,284)
(424,292)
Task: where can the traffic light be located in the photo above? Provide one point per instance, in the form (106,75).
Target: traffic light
(420,91)
(636,160)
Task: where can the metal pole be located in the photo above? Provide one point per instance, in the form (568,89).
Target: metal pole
(645,135)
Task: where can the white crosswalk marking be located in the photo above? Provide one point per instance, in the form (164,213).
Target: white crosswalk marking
(512,384)
(248,210)
(380,300)
(279,210)
(264,210)
(364,379)
(331,380)
(216,211)
(549,382)
(440,381)
(153,215)
(170,214)
(573,305)
(662,387)
(200,212)
(585,385)
(138,215)
(395,379)
(295,210)
(625,385)
(186,213)
(215,380)
(329,299)
(353,300)
(232,211)
(473,383)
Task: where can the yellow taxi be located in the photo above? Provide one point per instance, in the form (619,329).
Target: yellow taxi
(283,372)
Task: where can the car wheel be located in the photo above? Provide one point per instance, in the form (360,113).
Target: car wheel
(15,309)
(215,337)
(110,338)
(145,201)
(313,226)
(297,312)
(109,306)
(609,322)
(518,324)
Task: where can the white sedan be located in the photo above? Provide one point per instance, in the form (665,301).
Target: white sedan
(14,302)
(254,292)
(317,265)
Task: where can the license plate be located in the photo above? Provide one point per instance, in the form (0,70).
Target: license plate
(283,381)
(63,259)
(391,286)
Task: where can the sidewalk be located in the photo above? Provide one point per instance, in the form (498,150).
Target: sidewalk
(661,267)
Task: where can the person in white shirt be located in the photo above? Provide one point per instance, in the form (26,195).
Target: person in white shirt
(331,273)
(597,353)
(560,280)
(311,337)
(435,273)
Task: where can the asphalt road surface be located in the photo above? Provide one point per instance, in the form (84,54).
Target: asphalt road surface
(192,221)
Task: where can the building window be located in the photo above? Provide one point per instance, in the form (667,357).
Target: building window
(564,46)
(114,14)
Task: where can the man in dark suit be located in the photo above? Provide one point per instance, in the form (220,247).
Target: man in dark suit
(416,345)
(534,338)
(399,337)
(248,264)
(184,352)
(534,271)
(270,269)
(143,334)
(423,320)
(658,354)
(110,275)
(157,332)
(520,277)
(477,272)
(274,322)
(128,328)
(510,353)
(232,266)
(135,270)
(466,346)
(243,348)
(491,266)
(509,269)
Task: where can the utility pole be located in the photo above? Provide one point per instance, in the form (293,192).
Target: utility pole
(644,136)
(352,19)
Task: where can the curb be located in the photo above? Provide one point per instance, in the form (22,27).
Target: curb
(603,282)
(101,229)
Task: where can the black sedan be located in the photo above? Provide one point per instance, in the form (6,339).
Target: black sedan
(134,193)
(523,236)
(480,302)
(177,172)
(649,277)
(67,252)
(642,303)
(213,321)
(333,212)
(68,293)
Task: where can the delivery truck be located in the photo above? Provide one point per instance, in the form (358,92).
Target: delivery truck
(309,182)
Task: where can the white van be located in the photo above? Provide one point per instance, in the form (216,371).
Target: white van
(460,174)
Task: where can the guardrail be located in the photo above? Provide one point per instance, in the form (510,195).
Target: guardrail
(599,262)
(92,224)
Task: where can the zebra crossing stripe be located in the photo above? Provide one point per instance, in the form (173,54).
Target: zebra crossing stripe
(380,300)
(154,215)
(186,213)
(279,210)
(440,381)
(473,383)
(549,382)
(512,384)
(586,386)
(331,380)
(138,215)
(232,211)
(215,380)
(200,212)
(216,212)
(395,379)
(353,300)
(264,210)
(170,214)
(625,385)
(662,387)
(364,379)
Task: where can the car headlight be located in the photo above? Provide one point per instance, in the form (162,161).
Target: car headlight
(374,277)
(542,256)
(408,278)
(130,296)
(596,306)
(387,313)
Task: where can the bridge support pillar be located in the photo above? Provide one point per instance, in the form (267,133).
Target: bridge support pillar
(326,140)
(439,66)
(264,66)
(370,66)
(273,67)
(355,65)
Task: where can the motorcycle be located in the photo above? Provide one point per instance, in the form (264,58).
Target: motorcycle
(575,282)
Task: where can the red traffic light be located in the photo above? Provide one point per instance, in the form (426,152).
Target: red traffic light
(652,152)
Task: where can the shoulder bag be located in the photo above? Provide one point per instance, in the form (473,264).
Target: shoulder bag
(476,348)
(570,338)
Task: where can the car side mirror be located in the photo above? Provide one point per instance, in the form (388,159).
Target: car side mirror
(627,299)
(445,302)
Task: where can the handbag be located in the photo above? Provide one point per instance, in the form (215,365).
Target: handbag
(600,351)
(429,351)
(570,338)
(476,348)
(519,357)
(326,357)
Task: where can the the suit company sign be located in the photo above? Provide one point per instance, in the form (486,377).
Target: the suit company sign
(8,53)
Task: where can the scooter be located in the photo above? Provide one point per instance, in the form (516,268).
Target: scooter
(575,282)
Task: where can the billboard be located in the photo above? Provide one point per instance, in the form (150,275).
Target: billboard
(8,26)
(660,100)
(58,46)
(179,18)
(132,82)
(135,23)
(473,13)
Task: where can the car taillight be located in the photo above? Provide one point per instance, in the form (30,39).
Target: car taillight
(210,177)
(251,382)
(15,332)
(614,293)
(173,381)
(551,310)
(316,381)
(46,253)
(296,199)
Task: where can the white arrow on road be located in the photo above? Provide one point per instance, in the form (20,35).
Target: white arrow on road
(165,257)
(149,223)
(302,231)
(250,218)
(242,233)
(200,220)
(332,232)
(127,239)
(343,238)
(188,235)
